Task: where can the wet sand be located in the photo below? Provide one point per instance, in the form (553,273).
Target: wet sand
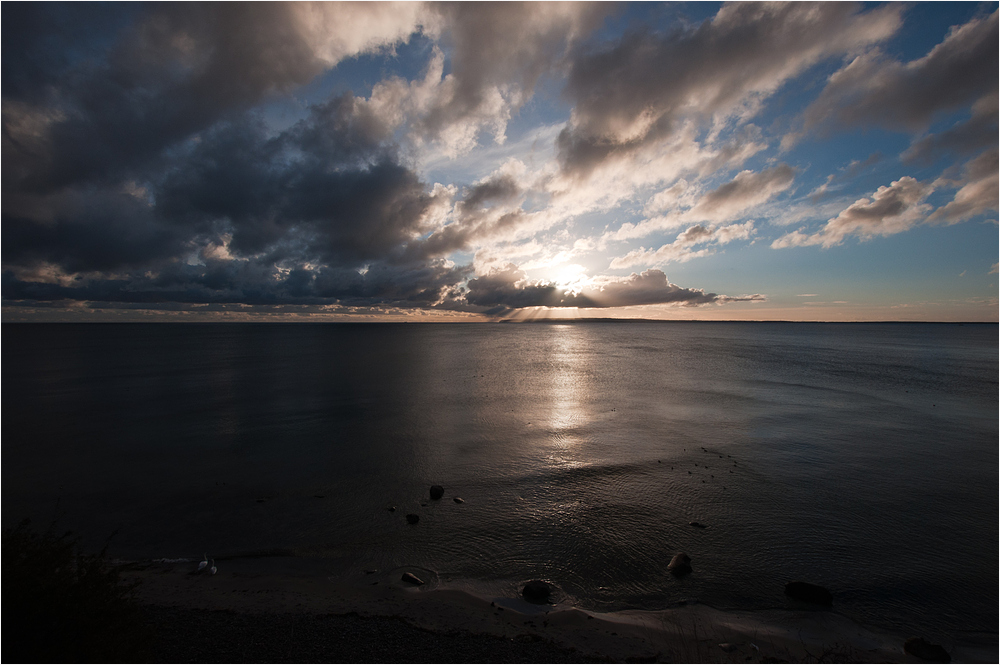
(264,599)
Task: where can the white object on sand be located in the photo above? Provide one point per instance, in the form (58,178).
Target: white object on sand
(203,563)
(213,569)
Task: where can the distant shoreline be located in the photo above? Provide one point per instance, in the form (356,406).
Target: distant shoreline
(550,321)
(243,592)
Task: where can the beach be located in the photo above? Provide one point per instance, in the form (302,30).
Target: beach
(284,609)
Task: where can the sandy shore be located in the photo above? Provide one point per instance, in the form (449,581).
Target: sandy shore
(287,586)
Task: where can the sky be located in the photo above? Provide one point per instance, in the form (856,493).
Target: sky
(480,161)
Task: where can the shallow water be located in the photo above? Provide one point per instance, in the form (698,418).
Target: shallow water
(858,456)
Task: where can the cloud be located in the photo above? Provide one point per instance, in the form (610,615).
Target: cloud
(491,213)
(245,214)
(893,209)
(875,90)
(147,180)
(978,192)
(509,288)
(176,71)
(157,154)
(87,230)
(746,190)
(901,206)
(682,155)
(729,201)
(640,89)
(326,190)
(497,53)
(834,181)
(964,137)
(254,282)
(682,248)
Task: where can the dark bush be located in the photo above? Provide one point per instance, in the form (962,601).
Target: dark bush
(61,605)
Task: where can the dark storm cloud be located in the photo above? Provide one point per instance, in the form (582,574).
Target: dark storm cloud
(302,210)
(86,230)
(328,189)
(42,39)
(875,90)
(508,288)
(254,282)
(174,72)
(634,92)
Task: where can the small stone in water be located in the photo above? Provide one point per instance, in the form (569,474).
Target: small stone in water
(412,579)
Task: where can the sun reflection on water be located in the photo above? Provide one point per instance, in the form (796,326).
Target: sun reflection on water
(569,388)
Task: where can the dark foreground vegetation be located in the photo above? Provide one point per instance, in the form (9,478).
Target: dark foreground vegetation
(61,605)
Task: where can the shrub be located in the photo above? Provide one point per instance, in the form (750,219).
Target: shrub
(61,605)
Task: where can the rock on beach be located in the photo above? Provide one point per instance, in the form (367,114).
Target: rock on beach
(925,651)
(437,492)
(537,591)
(680,564)
(412,579)
(810,593)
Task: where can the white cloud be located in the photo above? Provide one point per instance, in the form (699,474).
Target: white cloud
(747,190)
(339,30)
(682,248)
(727,202)
(893,209)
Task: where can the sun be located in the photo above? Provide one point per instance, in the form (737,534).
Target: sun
(571,277)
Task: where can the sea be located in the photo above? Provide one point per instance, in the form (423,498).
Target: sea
(861,457)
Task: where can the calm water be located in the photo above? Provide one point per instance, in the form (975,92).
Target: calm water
(861,457)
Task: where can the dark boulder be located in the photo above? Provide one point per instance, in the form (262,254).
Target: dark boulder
(412,579)
(437,492)
(925,651)
(537,591)
(809,593)
(698,525)
(412,519)
(680,565)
